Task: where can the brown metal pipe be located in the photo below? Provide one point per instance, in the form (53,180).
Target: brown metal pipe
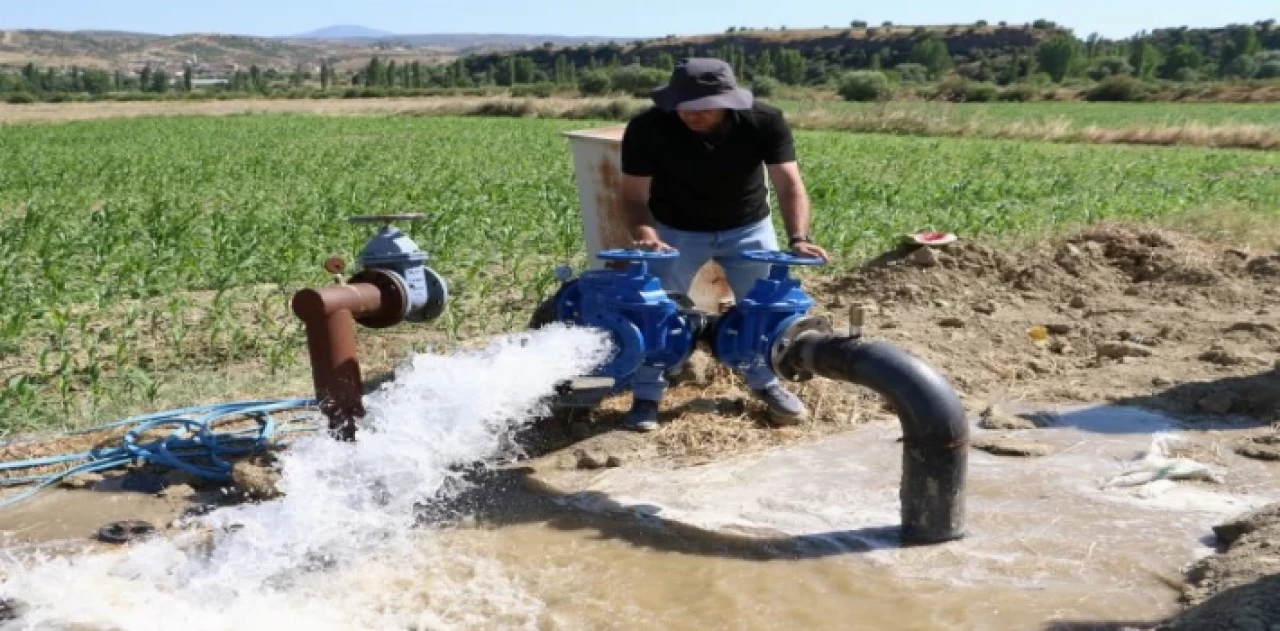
(330,315)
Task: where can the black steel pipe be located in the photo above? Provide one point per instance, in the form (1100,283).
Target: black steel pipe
(935,432)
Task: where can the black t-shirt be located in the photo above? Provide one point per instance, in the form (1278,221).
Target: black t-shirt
(707,184)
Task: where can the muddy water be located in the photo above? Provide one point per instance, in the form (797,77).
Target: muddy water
(801,537)
(564,569)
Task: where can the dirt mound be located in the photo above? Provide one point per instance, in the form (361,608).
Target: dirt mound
(1112,313)
(1239,588)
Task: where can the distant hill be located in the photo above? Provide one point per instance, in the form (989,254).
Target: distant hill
(346,46)
(462,43)
(344,31)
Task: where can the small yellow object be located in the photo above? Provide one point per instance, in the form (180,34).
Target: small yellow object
(1038,334)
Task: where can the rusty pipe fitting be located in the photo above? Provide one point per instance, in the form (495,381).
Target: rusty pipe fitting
(330,315)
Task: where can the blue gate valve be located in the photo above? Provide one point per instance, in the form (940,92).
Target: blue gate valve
(746,336)
(644,322)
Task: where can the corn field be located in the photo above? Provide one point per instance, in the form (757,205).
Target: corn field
(136,251)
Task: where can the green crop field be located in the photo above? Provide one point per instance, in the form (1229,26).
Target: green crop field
(134,252)
(1076,113)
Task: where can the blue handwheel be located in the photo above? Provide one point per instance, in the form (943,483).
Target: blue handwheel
(634,254)
(780,258)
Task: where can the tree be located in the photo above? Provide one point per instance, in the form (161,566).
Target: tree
(525,69)
(858,24)
(1057,55)
(1182,63)
(325,75)
(931,52)
(791,66)
(160,81)
(187,77)
(1145,59)
(255,78)
(373,72)
(561,75)
(1243,42)
(144,78)
(95,81)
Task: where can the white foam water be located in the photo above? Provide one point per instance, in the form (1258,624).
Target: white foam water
(339,550)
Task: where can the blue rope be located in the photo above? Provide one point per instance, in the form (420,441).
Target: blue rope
(193,441)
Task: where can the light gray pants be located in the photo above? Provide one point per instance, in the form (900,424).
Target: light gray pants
(696,248)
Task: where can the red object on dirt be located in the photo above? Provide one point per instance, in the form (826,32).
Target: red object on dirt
(933,238)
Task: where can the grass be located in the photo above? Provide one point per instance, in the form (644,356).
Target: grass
(1205,125)
(1079,114)
(149,263)
(1246,126)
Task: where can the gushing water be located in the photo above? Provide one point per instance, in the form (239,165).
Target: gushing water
(339,550)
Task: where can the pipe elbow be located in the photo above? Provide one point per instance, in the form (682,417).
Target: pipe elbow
(315,304)
(935,430)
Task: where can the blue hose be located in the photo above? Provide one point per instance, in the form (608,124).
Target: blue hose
(194,446)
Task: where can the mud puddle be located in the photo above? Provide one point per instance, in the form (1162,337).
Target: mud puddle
(1090,528)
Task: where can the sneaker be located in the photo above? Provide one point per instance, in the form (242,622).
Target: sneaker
(643,416)
(784,408)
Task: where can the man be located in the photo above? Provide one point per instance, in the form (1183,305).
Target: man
(693,180)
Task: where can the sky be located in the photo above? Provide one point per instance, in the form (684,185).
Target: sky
(645,18)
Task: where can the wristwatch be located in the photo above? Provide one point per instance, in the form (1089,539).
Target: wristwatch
(799,238)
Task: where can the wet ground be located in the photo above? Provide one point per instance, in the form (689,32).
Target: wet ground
(805,536)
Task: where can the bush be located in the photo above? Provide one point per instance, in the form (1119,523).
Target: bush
(1244,67)
(1109,67)
(595,82)
(1116,88)
(765,86)
(1018,93)
(863,85)
(981,92)
(539,90)
(958,90)
(1269,70)
(912,73)
(1186,75)
(635,78)
(21,98)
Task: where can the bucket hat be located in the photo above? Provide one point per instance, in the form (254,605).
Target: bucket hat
(702,83)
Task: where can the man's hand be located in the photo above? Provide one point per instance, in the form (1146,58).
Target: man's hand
(646,238)
(804,248)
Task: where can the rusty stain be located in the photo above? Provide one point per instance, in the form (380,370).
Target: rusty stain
(610,209)
(709,286)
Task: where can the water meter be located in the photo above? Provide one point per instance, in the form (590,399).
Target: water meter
(392,257)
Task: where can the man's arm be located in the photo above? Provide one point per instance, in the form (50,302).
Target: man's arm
(780,158)
(794,200)
(635,198)
(637,174)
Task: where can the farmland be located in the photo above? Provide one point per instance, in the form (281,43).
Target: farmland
(149,262)
(1075,113)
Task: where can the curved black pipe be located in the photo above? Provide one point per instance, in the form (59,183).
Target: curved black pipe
(935,432)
